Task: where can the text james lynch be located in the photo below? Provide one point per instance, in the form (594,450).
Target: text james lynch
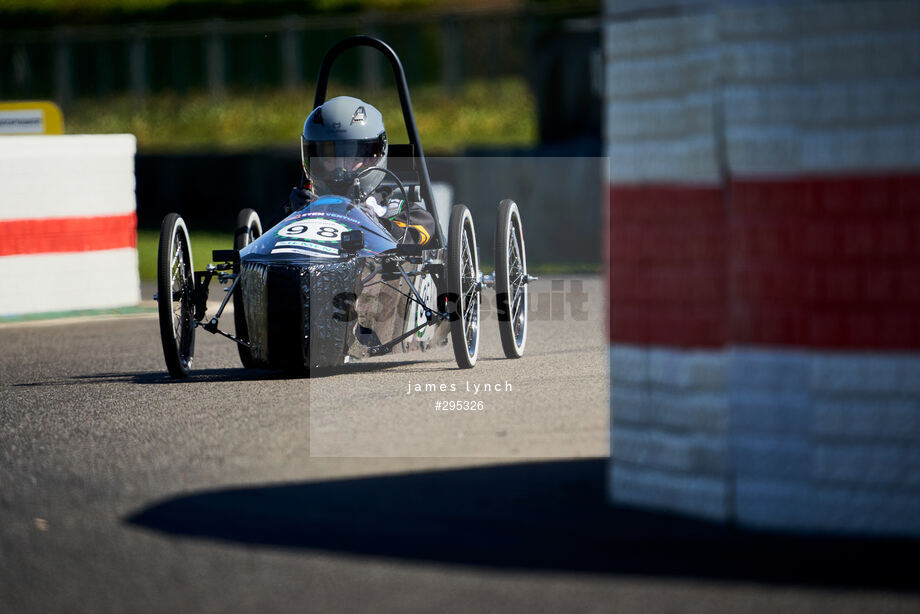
(468,386)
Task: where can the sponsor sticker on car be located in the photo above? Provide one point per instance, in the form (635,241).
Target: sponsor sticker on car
(306,244)
(326,214)
(323,248)
(302,251)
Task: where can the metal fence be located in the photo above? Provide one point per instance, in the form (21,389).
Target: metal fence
(215,55)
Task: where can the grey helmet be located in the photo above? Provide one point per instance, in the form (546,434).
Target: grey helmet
(341,138)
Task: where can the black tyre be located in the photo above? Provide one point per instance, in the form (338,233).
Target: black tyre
(175,293)
(463,287)
(511,279)
(248,229)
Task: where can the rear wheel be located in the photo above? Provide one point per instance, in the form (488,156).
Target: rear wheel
(248,229)
(463,286)
(175,295)
(511,279)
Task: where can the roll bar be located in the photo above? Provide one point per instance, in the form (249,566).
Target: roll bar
(399,76)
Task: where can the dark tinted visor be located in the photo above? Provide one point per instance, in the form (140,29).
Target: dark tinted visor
(372,148)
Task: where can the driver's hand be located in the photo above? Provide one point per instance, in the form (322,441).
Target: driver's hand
(372,206)
(300,198)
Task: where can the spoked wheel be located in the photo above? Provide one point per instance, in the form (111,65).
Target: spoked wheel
(463,286)
(175,295)
(248,229)
(511,279)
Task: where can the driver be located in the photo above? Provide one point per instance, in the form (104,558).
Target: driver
(340,139)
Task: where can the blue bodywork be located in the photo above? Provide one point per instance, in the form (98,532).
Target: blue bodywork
(300,236)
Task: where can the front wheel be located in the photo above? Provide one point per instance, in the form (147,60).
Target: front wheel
(463,286)
(511,279)
(248,229)
(175,296)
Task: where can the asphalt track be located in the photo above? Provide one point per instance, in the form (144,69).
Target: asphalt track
(124,491)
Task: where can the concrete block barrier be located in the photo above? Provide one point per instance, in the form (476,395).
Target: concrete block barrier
(764,235)
(68,226)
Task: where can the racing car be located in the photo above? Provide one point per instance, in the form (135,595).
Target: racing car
(358,291)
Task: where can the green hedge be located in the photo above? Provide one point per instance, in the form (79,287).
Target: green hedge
(496,112)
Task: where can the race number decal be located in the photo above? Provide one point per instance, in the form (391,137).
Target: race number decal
(425,286)
(416,313)
(323,231)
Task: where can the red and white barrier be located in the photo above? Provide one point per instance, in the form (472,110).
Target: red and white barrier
(764,250)
(68,225)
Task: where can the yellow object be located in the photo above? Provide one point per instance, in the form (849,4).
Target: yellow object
(31,117)
(424,237)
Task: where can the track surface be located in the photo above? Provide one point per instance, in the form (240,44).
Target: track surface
(122,490)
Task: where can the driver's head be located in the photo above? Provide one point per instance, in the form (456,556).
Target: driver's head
(340,139)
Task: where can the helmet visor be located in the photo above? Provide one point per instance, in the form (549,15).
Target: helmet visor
(338,161)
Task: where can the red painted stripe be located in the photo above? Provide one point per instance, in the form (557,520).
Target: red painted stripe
(827,262)
(667,274)
(70,234)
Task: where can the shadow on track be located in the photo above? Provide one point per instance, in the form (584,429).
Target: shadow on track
(536,515)
(236,374)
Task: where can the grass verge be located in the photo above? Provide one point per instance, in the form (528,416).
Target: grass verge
(491,112)
(203,243)
(75,313)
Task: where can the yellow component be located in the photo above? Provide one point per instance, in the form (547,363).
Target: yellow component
(423,234)
(31,117)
